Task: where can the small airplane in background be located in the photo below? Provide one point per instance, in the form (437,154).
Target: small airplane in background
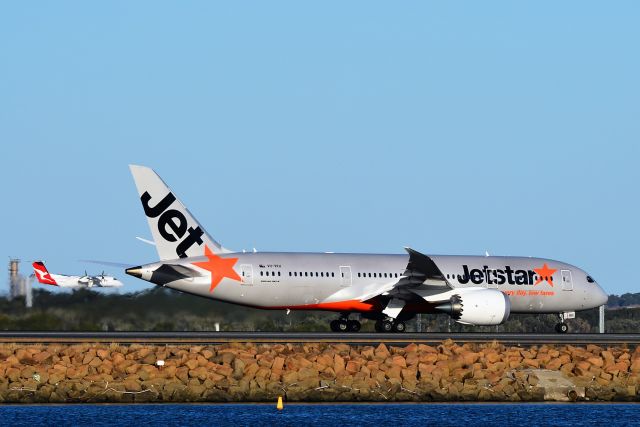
(74,282)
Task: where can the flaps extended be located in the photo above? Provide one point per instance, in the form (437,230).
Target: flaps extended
(394,307)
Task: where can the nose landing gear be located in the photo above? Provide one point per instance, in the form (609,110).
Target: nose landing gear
(562,327)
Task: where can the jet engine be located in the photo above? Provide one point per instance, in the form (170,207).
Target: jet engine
(480,307)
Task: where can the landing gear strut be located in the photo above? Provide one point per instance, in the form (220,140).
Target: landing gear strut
(390,325)
(343,324)
(562,327)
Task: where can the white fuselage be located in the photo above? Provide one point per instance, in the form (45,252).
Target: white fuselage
(328,281)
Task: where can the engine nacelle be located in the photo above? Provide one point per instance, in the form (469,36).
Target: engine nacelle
(480,307)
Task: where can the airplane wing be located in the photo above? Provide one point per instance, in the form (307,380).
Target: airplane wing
(421,278)
(424,273)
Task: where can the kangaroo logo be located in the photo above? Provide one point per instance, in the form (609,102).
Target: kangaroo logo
(172,224)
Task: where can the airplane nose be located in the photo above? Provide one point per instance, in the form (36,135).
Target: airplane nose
(134,271)
(601,297)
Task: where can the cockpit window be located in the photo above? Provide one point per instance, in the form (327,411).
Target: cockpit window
(590,279)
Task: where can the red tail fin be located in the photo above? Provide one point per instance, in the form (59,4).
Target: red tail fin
(42,274)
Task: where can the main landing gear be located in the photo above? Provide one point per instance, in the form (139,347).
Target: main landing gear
(562,327)
(390,325)
(343,324)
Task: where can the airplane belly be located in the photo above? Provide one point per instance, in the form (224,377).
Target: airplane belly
(262,295)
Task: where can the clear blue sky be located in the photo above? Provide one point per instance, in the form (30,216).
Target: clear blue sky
(452,127)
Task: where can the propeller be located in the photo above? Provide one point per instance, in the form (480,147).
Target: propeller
(108,263)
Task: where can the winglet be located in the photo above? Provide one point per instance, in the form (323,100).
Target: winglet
(422,267)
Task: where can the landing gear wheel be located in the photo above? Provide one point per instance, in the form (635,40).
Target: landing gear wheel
(399,327)
(378,326)
(386,326)
(353,325)
(343,326)
(334,325)
(562,328)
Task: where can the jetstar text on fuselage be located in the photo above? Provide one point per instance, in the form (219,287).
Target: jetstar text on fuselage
(499,276)
(175,221)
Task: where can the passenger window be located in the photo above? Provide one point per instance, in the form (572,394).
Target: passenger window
(261,273)
(333,275)
(278,274)
(305,274)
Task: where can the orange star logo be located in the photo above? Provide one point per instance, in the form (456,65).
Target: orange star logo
(545,273)
(218,267)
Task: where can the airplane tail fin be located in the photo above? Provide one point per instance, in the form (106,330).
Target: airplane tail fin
(175,231)
(43,274)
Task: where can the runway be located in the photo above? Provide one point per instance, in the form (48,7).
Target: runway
(318,337)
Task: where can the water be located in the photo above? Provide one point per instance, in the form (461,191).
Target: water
(456,415)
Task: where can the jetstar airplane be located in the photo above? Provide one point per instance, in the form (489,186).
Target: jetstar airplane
(390,289)
(75,282)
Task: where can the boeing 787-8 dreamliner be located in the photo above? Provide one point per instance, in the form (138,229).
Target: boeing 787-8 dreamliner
(390,289)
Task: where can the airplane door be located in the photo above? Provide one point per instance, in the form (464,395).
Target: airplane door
(246,273)
(567,283)
(345,275)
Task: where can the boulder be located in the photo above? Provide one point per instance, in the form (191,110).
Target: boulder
(338,364)
(353,366)
(278,365)
(553,364)
(367,352)
(42,357)
(596,361)
(382,351)
(493,358)
(409,374)
(132,384)
(429,358)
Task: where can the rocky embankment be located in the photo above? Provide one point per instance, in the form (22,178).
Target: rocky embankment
(315,372)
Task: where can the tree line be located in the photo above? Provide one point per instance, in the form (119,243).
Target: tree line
(162,309)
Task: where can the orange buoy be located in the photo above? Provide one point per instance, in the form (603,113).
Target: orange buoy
(279,405)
